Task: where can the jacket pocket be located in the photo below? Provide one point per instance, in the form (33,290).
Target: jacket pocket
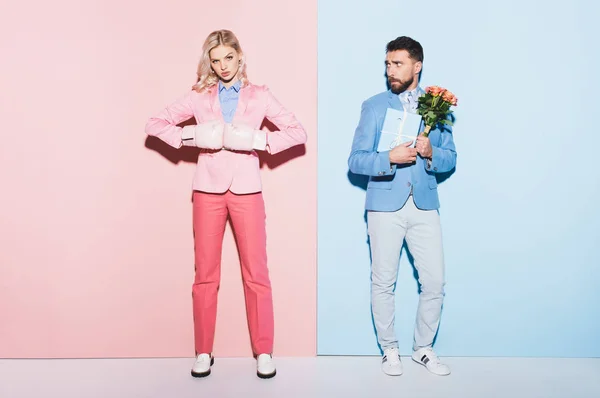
(432,182)
(384,182)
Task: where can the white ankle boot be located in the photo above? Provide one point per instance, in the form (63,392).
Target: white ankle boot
(202,365)
(265,367)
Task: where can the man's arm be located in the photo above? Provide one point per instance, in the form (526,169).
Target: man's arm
(438,158)
(363,158)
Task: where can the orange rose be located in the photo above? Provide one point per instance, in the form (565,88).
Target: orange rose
(449,97)
(435,90)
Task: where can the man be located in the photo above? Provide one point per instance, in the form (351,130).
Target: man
(402,203)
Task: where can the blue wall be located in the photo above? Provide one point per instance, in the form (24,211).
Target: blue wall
(519,215)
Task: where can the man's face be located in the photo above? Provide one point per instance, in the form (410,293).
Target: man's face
(401,70)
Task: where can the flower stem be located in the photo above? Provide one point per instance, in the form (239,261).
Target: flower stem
(426,132)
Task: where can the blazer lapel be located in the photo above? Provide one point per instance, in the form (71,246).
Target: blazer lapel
(242,102)
(215,104)
(394,101)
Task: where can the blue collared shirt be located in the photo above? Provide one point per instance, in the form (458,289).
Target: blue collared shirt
(411,104)
(228,98)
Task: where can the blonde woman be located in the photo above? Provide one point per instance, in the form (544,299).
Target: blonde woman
(229,111)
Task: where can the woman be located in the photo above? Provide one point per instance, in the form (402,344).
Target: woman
(229,111)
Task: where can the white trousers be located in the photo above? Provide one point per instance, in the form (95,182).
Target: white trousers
(423,234)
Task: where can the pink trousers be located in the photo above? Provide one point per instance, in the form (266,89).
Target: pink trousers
(247,213)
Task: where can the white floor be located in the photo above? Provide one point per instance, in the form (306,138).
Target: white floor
(330,377)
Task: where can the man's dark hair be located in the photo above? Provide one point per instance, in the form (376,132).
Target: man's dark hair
(413,47)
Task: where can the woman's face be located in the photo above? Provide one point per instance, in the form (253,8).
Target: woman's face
(225,62)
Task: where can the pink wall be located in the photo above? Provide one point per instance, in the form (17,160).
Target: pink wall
(96,237)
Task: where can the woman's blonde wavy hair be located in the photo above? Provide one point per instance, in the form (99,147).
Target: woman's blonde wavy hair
(206,77)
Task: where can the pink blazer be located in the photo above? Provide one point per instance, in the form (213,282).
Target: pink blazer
(217,172)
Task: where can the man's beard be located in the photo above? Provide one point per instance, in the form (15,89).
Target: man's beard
(398,89)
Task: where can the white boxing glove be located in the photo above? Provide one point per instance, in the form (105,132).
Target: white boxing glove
(241,137)
(207,135)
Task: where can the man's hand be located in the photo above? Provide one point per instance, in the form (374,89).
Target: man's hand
(403,154)
(424,147)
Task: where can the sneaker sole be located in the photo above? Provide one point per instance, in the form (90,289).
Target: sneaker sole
(204,374)
(266,376)
(398,373)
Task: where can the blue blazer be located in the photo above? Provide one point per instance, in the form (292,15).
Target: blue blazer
(389,184)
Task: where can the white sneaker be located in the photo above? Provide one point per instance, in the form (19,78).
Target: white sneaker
(426,357)
(265,367)
(391,363)
(202,365)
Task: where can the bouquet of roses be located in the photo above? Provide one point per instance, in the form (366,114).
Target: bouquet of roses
(434,107)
